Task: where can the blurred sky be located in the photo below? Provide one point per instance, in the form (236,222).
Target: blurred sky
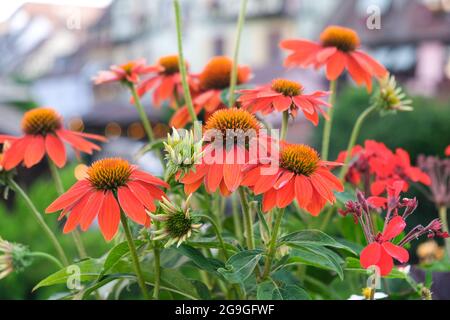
(7,7)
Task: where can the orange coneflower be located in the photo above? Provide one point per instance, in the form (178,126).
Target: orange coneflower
(128,72)
(214,78)
(223,161)
(111,185)
(338,50)
(284,95)
(167,82)
(301,175)
(45,133)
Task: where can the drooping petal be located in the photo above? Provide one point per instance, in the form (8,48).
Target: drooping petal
(303,190)
(269,200)
(77,142)
(266,182)
(397,252)
(284,179)
(78,190)
(316,204)
(214,177)
(286,195)
(145,177)
(16,152)
(192,187)
(282,103)
(75,215)
(56,150)
(232,169)
(35,151)
(336,65)
(131,205)
(109,216)
(322,188)
(91,209)
(142,195)
(395,226)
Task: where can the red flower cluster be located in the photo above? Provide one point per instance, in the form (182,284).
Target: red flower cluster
(380,250)
(377,167)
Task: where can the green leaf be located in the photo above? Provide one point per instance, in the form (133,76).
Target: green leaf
(155,145)
(318,257)
(117,253)
(353,264)
(270,290)
(86,270)
(207,264)
(313,237)
(240,266)
(344,197)
(212,243)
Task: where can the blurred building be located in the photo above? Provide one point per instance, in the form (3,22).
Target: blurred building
(413,40)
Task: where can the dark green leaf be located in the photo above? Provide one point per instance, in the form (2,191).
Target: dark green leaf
(117,253)
(207,264)
(240,266)
(270,290)
(313,237)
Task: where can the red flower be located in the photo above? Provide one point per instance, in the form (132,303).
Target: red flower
(214,78)
(45,134)
(167,82)
(447,151)
(380,168)
(128,72)
(223,163)
(111,185)
(338,50)
(301,175)
(284,95)
(381,252)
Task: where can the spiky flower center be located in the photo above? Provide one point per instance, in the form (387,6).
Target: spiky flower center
(170,64)
(344,39)
(41,121)
(217,74)
(232,119)
(109,174)
(178,224)
(287,87)
(300,159)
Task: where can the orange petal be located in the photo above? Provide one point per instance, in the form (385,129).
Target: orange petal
(35,151)
(55,150)
(109,216)
(91,209)
(131,205)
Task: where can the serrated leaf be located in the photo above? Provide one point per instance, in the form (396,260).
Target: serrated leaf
(117,253)
(86,270)
(318,257)
(240,266)
(315,238)
(270,290)
(207,264)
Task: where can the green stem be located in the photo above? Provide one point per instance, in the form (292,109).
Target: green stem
(273,244)
(182,63)
(218,233)
(284,125)
(353,138)
(329,123)
(326,219)
(134,257)
(40,221)
(145,122)
(444,221)
(234,70)
(236,218)
(157,257)
(60,189)
(248,220)
(48,257)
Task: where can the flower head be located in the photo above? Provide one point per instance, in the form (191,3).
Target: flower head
(166,81)
(391,97)
(301,175)
(429,252)
(111,185)
(213,80)
(182,152)
(44,133)
(127,73)
(178,224)
(13,258)
(381,250)
(228,135)
(377,167)
(337,50)
(284,95)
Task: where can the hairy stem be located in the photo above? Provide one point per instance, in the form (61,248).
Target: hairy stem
(234,71)
(145,122)
(329,123)
(134,257)
(273,244)
(40,221)
(284,125)
(182,63)
(248,221)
